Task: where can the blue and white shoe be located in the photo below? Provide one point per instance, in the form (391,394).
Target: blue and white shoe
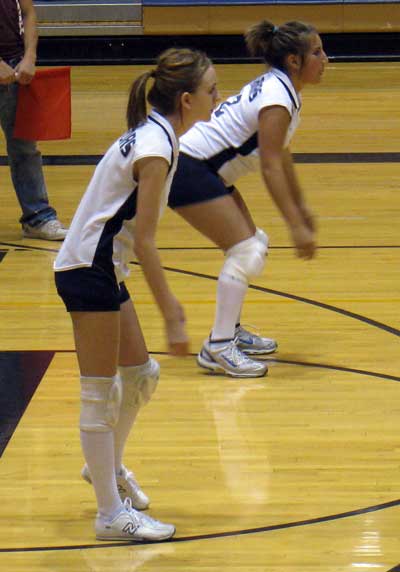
(252,344)
(225,356)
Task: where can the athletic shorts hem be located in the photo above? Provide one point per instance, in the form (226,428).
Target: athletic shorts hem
(195,182)
(90,290)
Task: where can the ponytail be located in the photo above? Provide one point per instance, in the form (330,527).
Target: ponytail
(178,70)
(136,112)
(273,44)
(258,38)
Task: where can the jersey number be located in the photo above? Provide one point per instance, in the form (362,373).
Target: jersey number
(126,142)
(220,110)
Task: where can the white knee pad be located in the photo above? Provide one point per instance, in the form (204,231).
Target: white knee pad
(262,236)
(245,260)
(139,382)
(100,403)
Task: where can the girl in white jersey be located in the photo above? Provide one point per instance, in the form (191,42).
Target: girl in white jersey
(248,131)
(119,212)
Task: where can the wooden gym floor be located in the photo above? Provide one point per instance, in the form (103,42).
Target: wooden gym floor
(298,471)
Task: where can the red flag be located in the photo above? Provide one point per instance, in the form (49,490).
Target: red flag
(44,106)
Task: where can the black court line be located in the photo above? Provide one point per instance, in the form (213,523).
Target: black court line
(304,364)
(240,532)
(270,528)
(19,246)
(367,157)
(334,368)
(271,247)
(224,534)
(288,362)
(395,569)
(323,305)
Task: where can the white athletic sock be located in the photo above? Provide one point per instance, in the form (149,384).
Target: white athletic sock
(230,295)
(127,413)
(98,450)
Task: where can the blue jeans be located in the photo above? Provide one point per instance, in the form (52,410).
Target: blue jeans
(25,163)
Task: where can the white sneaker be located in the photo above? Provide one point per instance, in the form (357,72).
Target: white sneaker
(252,344)
(227,357)
(50,230)
(131,524)
(128,487)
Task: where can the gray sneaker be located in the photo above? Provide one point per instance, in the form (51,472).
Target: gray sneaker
(50,230)
(227,357)
(252,344)
(133,525)
(128,487)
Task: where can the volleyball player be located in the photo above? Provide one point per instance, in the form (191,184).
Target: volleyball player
(118,213)
(250,130)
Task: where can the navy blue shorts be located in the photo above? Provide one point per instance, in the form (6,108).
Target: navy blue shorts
(195,182)
(90,290)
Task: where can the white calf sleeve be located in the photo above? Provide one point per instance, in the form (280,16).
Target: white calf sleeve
(100,403)
(139,382)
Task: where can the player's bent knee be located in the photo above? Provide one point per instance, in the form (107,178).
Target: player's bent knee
(140,382)
(100,403)
(246,259)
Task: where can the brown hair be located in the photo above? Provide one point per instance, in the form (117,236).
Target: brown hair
(178,70)
(274,43)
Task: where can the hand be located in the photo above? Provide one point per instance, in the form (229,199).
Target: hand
(7,73)
(175,322)
(308,217)
(303,239)
(25,71)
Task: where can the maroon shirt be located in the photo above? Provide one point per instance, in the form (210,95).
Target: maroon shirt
(11,30)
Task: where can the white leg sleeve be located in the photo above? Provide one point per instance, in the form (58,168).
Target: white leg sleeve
(100,403)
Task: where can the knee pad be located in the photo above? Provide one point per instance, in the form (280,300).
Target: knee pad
(139,382)
(246,259)
(100,403)
(262,236)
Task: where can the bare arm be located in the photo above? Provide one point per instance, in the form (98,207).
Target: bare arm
(152,173)
(26,68)
(296,190)
(273,126)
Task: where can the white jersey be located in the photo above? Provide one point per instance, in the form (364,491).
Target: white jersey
(228,142)
(101,232)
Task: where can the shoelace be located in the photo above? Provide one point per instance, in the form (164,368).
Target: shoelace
(241,330)
(139,517)
(237,356)
(133,513)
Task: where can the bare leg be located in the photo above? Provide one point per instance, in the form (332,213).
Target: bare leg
(97,342)
(133,350)
(226,221)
